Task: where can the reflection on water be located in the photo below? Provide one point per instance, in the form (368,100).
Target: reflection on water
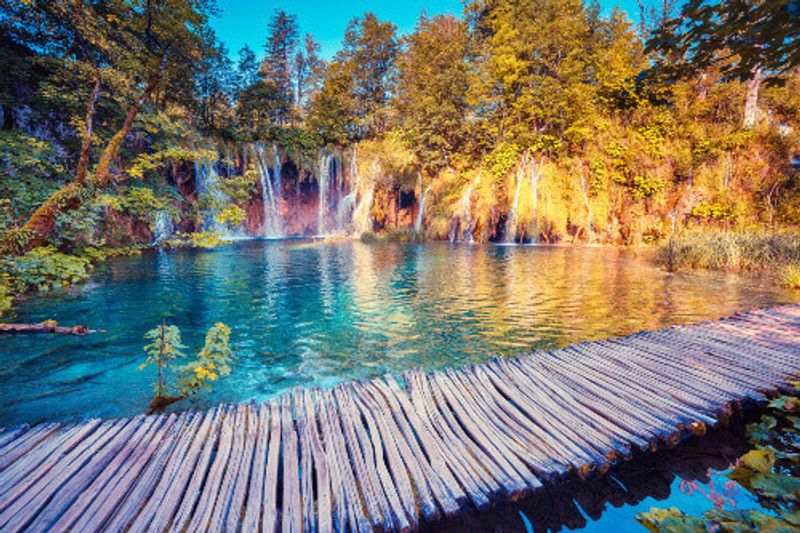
(304,313)
(690,477)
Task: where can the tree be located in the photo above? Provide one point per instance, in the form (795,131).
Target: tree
(131,47)
(247,68)
(432,91)
(277,68)
(530,80)
(310,71)
(747,40)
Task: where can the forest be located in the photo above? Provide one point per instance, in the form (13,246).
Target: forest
(128,123)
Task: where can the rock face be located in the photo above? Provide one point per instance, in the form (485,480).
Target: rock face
(126,230)
(297,205)
(182,176)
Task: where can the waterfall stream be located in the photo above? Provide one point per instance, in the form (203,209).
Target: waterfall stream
(270,182)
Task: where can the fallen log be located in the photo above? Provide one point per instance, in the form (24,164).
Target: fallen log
(48,326)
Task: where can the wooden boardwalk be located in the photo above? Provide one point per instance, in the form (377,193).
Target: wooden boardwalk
(389,455)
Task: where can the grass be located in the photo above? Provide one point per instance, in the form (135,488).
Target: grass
(790,276)
(732,251)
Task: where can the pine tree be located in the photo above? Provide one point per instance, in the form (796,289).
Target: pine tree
(277,67)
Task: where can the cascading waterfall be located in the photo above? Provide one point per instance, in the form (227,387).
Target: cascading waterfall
(421,209)
(163,227)
(331,189)
(270,190)
(347,205)
(362,219)
(208,186)
(511,222)
(466,214)
(325,160)
(535,173)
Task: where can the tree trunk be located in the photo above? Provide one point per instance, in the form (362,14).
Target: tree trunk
(45,327)
(72,195)
(751,99)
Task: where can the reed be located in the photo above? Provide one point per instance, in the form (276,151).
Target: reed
(730,251)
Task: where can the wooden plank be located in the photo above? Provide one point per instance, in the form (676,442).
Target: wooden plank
(374,499)
(562,439)
(20,505)
(241,483)
(92,499)
(447,494)
(199,474)
(429,441)
(255,492)
(11,435)
(400,519)
(80,481)
(38,460)
(157,492)
(270,502)
(223,506)
(22,481)
(525,442)
(539,385)
(337,455)
(201,517)
(306,461)
(98,509)
(472,476)
(517,478)
(321,468)
(650,393)
(292,507)
(26,443)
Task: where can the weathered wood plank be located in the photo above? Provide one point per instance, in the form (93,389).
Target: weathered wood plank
(164,477)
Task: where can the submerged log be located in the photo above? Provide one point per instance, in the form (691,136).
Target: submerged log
(48,326)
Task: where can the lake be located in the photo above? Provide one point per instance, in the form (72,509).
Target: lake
(309,313)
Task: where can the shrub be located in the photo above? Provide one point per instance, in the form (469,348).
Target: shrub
(165,346)
(45,268)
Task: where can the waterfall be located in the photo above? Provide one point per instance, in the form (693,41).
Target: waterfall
(270,192)
(421,210)
(511,222)
(346,211)
(208,188)
(534,182)
(163,227)
(323,180)
(362,214)
(466,214)
(277,169)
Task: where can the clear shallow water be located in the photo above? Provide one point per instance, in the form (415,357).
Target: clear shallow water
(306,313)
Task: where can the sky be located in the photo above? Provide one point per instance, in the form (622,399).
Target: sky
(245,21)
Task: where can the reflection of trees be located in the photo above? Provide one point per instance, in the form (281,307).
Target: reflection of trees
(646,475)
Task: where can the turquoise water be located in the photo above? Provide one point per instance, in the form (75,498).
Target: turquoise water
(306,313)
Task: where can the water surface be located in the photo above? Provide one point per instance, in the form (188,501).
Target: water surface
(306,313)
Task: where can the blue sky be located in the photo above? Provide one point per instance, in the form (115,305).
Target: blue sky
(245,21)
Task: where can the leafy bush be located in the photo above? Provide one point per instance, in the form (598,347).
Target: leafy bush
(45,268)
(719,211)
(231,216)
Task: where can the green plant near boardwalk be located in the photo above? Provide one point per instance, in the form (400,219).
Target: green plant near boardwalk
(770,472)
(166,346)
